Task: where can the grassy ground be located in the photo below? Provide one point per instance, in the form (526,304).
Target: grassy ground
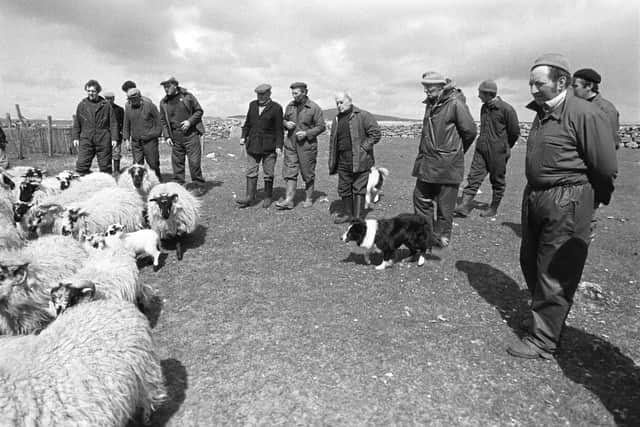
(270,319)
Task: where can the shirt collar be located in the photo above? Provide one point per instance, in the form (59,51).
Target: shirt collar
(553,103)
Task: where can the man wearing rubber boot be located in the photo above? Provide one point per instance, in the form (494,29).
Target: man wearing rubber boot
(448,130)
(262,136)
(499,131)
(303,122)
(119,113)
(570,168)
(353,134)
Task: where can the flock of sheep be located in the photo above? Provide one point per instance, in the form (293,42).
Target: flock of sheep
(75,345)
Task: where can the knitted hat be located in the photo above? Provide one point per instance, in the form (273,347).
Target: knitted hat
(433,78)
(588,74)
(554,60)
(488,86)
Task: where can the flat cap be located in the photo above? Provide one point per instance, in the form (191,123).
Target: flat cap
(170,80)
(264,87)
(433,78)
(488,86)
(588,74)
(557,60)
(108,95)
(301,85)
(134,92)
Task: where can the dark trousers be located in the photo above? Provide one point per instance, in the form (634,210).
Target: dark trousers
(350,183)
(492,160)
(444,195)
(556,226)
(147,150)
(87,149)
(186,146)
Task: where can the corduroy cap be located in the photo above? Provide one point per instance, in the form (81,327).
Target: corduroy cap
(301,85)
(433,78)
(108,95)
(488,86)
(588,74)
(170,80)
(264,87)
(557,60)
(134,92)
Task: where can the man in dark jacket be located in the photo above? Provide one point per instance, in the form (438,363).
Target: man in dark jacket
(354,132)
(119,113)
(95,130)
(448,130)
(262,136)
(586,85)
(181,119)
(570,168)
(303,122)
(142,128)
(499,131)
(4,161)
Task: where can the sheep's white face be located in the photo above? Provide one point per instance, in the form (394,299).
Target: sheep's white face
(114,229)
(95,240)
(70,221)
(65,177)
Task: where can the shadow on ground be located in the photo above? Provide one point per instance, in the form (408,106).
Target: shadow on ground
(584,358)
(175,375)
(515,227)
(190,241)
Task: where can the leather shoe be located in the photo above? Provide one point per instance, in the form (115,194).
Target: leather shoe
(526,349)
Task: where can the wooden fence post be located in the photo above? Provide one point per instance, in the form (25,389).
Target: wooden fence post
(50,135)
(9,120)
(19,142)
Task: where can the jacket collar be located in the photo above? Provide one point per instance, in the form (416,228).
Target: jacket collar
(307,103)
(556,113)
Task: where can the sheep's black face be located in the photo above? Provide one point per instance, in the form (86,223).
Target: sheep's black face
(20,209)
(66,295)
(71,221)
(65,177)
(34,174)
(137,175)
(165,204)
(36,219)
(27,188)
(114,229)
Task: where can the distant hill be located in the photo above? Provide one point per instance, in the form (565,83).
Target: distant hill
(331,113)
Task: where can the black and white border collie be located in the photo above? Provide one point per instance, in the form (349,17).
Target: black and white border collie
(374,184)
(387,235)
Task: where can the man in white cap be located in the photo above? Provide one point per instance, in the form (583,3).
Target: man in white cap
(448,130)
(570,168)
(263,137)
(119,112)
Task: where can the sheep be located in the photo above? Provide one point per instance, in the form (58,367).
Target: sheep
(40,220)
(105,207)
(139,178)
(65,295)
(10,236)
(95,365)
(66,177)
(143,242)
(173,212)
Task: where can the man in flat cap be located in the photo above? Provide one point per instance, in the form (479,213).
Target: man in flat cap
(499,131)
(303,122)
(119,112)
(181,119)
(95,130)
(570,168)
(263,137)
(586,85)
(448,130)
(142,128)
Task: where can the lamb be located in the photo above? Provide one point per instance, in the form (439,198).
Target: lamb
(139,178)
(143,242)
(173,212)
(65,295)
(95,365)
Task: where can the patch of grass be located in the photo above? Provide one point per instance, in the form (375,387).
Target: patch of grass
(270,319)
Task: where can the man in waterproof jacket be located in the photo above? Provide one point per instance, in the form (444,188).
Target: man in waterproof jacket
(142,128)
(181,119)
(448,130)
(354,132)
(95,130)
(263,137)
(499,131)
(570,168)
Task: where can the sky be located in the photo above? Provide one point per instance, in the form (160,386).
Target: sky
(376,50)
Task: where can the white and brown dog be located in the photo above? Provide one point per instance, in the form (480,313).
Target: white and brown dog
(374,184)
(387,235)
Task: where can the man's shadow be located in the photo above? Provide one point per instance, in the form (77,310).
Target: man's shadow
(584,358)
(516,227)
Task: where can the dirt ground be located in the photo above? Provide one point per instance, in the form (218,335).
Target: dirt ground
(271,320)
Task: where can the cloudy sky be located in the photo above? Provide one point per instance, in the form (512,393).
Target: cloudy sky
(376,49)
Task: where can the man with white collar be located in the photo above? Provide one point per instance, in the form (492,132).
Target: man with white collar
(570,168)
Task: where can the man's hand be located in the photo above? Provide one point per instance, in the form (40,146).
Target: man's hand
(184,126)
(278,151)
(301,135)
(76,143)
(114,144)
(289,124)
(169,142)
(127,144)
(241,141)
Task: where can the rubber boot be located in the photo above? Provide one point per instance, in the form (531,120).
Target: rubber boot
(116,167)
(492,211)
(358,206)
(347,211)
(268,193)
(464,209)
(287,203)
(308,201)
(252,183)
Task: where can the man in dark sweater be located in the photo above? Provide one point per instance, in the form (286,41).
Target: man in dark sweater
(142,127)
(354,132)
(181,119)
(119,113)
